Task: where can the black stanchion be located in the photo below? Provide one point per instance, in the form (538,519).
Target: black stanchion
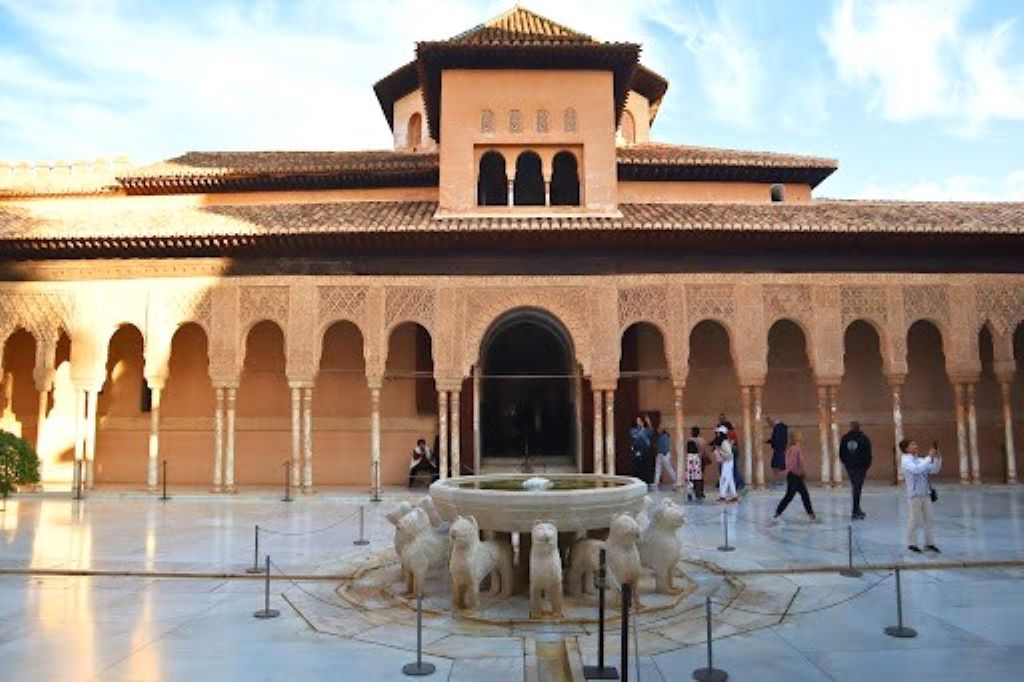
(374,484)
(287,482)
(850,571)
(77,487)
(710,673)
(418,668)
(255,568)
(361,540)
(266,611)
(3,505)
(725,528)
(164,498)
(899,630)
(600,671)
(627,595)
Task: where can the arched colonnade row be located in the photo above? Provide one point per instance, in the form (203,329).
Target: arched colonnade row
(75,331)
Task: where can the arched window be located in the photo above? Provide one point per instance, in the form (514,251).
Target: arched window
(414,133)
(487,121)
(529,184)
(542,121)
(565,181)
(778,193)
(492,182)
(628,128)
(515,121)
(569,120)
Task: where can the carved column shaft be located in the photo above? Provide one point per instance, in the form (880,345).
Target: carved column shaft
(837,465)
(442,431)
(759,437)
(218,438)
(748,432)
(972,429)
(1011,456)
(897,424)
(961,433)
(824,434)
(456,454)
(579,418)
(231,394)
(154,438)
(598,434)
(91,399)
(79,436)
(375,441)
(44,400)
(296,436)
(477,435)
(307,439)
(680,440)
(609,432)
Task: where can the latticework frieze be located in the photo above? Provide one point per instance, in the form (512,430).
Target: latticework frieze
(190,306)
(409,304)
(640,304)
(863,302)
(341,303)
(710,301)
(42,314)
(792,301)
(269,302)
(1002,306)
(926,302)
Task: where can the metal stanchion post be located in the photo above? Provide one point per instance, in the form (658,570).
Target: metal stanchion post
(287,482)
(361,540)
(78,480)
(627,593)
(899,630)
(375,483)
(600,671)
(255,568)
(164,497)
(419,668)
(850,571)
(266,611)
(725,529)
(4,507)
(710,673)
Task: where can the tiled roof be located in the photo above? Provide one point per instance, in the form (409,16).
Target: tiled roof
(61,178)
(520,26)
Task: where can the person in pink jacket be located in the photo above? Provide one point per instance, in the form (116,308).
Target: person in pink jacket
(795,478)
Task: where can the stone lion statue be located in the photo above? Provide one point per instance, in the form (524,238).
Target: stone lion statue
(422,550)
(472,560)
(623,559)
(660,547)
(394,516)
(545,570)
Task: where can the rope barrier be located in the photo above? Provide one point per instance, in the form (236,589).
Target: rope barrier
(786,613)
(346,517)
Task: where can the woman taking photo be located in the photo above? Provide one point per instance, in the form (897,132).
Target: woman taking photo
(795,478)
(725,455)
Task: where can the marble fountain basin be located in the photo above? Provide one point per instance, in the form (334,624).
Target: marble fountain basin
(573,502)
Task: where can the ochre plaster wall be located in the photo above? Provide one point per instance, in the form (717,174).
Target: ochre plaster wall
(405,107)
(638,106)
(635,192)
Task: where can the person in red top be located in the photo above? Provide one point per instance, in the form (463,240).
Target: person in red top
(795,478)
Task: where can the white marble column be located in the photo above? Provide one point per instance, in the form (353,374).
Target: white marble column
(609,432)
(961,433)
(152,475)
(1011,455)
(972,426)
(44,401)
(578,387)
(897,426)
(547,192)
(477,435)
(598,433)
(295,479)
(218,439)
(307,439)
(91,399)
(511,192)
(759,433)
(231,395)
(837,465)
(680,440)
(442,432)
(823,432)
(79,465)
(748,434)
(375,441)
(456,454)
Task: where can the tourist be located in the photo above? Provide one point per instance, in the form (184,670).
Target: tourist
(663,458)
(734,442)
(778,441)
(696,459)
(916,470)
(422,463)
(727,459)
(795,473)
(640,443)
(855,454)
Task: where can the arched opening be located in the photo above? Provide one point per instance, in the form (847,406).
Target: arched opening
(187,409)
(790,393)
(492,181)
(565,180)
(56,447)
(929,404)
(529,182)
(864,396)
(122,424)
(712,387)
(19,401)
(414,131)
(529,391)
(627,127)
(341,398)
(989,409)
(263,440)
(644,387)
(1017,395)
(409,405)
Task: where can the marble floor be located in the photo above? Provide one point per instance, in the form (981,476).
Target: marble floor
(784,625)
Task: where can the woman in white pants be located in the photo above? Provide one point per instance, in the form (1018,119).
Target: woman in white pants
(663,460)
(916,470)
(724,454)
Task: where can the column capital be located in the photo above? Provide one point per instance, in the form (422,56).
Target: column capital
(156,381)
(752,381)
(604,383)
(828,382)
(895,380)
(452,385)
(300,384)
(966,379)
(229,383)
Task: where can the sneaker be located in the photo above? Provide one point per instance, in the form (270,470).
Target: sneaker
(914,548)
(933,548)
(813,518)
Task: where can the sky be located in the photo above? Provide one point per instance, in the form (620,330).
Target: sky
(918,99)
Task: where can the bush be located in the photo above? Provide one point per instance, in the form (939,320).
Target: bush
(19,464)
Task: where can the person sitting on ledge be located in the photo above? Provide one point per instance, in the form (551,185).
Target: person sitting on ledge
(422,463)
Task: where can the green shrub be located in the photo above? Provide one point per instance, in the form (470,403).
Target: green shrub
(19,464)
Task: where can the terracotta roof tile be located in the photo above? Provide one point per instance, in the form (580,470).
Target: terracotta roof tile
(520,26)
(658,153)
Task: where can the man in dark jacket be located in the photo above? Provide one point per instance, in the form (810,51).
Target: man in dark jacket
(855,453)
(778,442)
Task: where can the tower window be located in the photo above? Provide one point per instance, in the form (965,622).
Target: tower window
(414,133)
(628,128)
(565,180)
(529,183)
(542,121)
(515,121)
(486,121)
(569,120)
(778,193)
(492,182)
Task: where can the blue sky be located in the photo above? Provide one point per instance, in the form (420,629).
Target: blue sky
(918,99)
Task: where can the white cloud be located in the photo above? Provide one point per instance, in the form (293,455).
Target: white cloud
(920,60)
(952,188)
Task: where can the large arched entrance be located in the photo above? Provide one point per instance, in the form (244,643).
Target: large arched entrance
(529,393)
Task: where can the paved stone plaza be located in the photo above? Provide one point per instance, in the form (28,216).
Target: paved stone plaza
(336,625)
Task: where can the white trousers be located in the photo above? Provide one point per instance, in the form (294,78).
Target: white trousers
(726,482)
(920,509)
(663,461)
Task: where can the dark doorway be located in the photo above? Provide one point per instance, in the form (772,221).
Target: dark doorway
(527,393)
(529,183)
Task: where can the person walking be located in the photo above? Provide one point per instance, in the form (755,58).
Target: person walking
(795,474)
(778,441)
(916,470)
(734,442)
(664,458)
(727,458)
(640,444)
(696,459)
(855,454)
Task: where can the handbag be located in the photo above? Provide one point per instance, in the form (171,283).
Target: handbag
(932,494)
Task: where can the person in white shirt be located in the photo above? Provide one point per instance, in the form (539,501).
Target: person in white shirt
(724,454)
(916,470)
(422,463)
